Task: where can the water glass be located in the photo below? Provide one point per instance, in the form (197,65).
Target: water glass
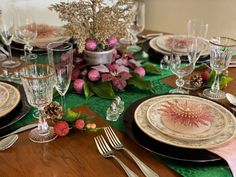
(38,82)
(222,49)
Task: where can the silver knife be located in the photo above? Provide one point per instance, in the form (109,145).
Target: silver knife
(21,129)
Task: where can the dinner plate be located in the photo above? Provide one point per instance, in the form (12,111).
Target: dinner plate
(4,95)
(164,115)
(18,112)
(224,136)
(163,149)
(12,101)
(152,44)
(45,35)
(164,42)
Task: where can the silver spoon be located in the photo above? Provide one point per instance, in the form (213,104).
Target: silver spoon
(8,142)
(231,98)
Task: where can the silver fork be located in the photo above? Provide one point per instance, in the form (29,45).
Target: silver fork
(106,152)
(116,144)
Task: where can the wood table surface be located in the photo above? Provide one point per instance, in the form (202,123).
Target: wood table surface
(74,155)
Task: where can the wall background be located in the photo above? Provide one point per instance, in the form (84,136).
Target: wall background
(164,15)
(172,15)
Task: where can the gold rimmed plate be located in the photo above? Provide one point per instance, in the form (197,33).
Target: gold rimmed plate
(224,136)
(4,95)
(12,101)
(157,115)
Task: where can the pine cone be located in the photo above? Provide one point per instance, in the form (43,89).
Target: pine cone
(53,111)
(196,80)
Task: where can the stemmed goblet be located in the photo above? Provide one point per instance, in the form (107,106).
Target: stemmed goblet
(25,28)
(60,55)
(7,34)
(197,44)
(38,81)
(220,58)
(180,64)
(137,25)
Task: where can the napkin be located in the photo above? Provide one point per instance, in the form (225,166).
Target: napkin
(227,152)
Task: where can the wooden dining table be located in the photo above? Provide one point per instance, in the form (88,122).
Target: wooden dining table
(76,155)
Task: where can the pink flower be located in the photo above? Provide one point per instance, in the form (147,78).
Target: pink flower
(140,71)
(112,41)
(93,75)
(78,85)
(90,44)
(117,75)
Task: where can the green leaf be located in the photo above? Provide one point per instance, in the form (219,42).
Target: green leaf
(211,78)
(140,83)
(150,68)
(71,116)
(102,89)
(87,92)
(224,81)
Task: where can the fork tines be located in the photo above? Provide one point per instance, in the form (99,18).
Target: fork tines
(113,139)
(102,145)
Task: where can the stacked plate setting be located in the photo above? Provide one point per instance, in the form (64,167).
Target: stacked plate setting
(9,98)
(149,118)
(162,44)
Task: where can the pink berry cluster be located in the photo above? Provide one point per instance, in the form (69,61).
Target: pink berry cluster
(62,128)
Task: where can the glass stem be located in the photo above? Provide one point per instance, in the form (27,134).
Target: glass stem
(179,82)
(9,50)
(63,103)
(216,84)
(42,124)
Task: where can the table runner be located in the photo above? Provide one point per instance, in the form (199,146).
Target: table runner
(99,105)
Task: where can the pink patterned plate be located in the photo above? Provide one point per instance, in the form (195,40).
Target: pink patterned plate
(186,119)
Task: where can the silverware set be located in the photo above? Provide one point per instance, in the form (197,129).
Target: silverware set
(107,152)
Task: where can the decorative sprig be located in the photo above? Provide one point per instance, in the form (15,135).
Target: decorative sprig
(94,19)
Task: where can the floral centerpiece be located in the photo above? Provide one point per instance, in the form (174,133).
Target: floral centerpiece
(97,26)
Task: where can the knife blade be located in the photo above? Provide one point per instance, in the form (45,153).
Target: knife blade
(21,129)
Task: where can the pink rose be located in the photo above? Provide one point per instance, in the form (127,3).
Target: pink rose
(78,85)
(93,75)
(140,71)
(90,44)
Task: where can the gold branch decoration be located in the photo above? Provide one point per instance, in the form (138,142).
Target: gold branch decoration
(94,19)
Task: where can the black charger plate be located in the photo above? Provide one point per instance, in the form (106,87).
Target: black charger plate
(18,112)
(162,149)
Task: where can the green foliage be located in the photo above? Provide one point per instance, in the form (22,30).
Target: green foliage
(140,83)
(102,89)
(224,80)
(71,116)
(150,68)
(87,92)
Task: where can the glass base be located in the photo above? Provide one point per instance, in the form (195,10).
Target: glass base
(219,95)
(2,57)
(125,41)
(11,63)
(134,48)
(179,90)
(36,137)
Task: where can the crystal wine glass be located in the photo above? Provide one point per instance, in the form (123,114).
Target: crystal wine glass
(25,28)
(220,58)
(197,44)
(38,81)
(7,33)
(60,54)
(180,64)
(137,25)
